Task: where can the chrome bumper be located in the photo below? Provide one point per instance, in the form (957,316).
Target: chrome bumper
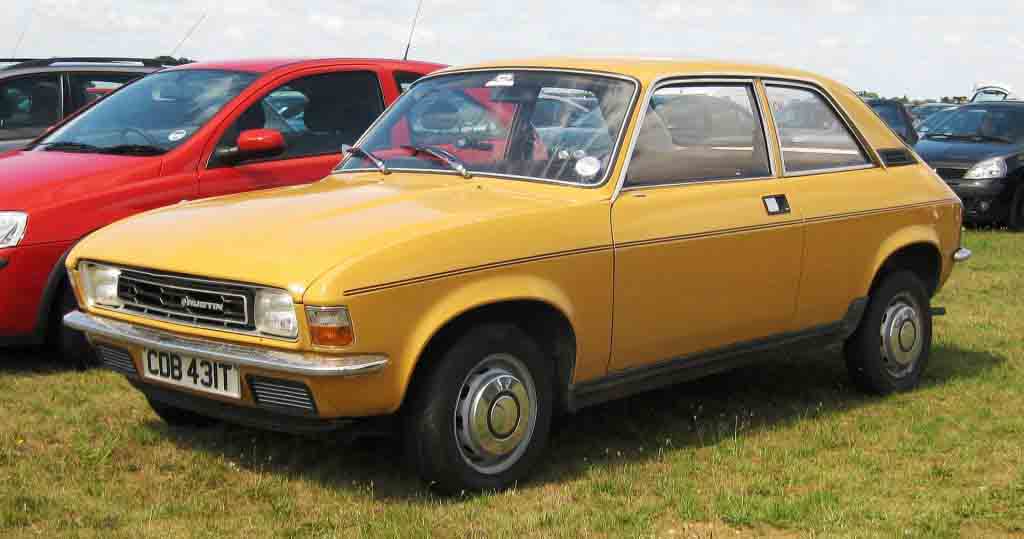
(307,364)
(962,255)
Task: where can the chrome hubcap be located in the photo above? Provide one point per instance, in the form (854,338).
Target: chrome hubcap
(495,414)
(901,336)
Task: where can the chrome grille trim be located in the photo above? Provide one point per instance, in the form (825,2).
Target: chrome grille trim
(162,296)
(116,359)
(274,393)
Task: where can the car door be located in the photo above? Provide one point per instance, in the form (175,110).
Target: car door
(316,114)
(838,187)
(708,251)
(29,105)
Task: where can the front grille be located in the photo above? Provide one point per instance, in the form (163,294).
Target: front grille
(182,299)
(951,173)
(116,359)
(282,394)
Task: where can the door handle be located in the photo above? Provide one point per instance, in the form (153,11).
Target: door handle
(776,204)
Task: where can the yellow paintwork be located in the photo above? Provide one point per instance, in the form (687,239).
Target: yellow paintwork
(409,252)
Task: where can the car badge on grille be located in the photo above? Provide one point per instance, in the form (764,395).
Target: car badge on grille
(206,305)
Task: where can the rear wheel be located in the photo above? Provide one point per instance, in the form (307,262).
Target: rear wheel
(177,417)
(890,348)
(480,418)
(71,346)
(1016,220)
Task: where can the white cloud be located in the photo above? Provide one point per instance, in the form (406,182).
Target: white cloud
(681,10)
(844,7)
(829,42)
(895,48)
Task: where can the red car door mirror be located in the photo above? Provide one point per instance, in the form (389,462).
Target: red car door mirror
(260,143)
(253,144)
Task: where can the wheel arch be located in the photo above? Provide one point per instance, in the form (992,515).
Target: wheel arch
(546,317)
(915,249)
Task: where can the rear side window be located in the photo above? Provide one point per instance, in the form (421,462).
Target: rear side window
(28,105)
(316,114)
(697,132)
(812,135)
(88,87)
(404,79)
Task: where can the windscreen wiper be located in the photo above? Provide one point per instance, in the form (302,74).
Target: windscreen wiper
(133,149)
(368,155)
(444,156)
(68,146)
(992,138)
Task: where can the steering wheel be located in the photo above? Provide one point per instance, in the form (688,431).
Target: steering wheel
(149,140)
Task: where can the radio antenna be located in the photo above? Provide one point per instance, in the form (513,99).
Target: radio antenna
(412,29)
(189,33)
(24,29)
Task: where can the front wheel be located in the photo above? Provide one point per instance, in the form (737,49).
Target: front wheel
(70,345)
(890,348)
(480,417)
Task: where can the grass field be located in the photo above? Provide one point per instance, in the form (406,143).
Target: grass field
(784,448)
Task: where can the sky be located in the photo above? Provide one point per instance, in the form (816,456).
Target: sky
(922,49)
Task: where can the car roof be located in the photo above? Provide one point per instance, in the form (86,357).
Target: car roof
(649,69)
(78,67)
(265,65)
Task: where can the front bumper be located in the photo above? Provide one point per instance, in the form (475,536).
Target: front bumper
(244,356)
(317,386)
(983,202)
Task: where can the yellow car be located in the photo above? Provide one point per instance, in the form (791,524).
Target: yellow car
(513,241)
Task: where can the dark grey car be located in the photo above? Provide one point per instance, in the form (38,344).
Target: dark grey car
(36,94)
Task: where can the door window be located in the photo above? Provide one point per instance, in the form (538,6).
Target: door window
(812,135)
(88,87)
(698,132)
(316,114)
(28,105)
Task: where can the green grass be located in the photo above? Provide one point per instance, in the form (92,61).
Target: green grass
(783,448)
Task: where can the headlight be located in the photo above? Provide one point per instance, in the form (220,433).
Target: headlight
(12,228)
(330,326)
(275,313)
(100,284)
(989,168)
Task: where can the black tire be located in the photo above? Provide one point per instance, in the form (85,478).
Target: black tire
(453,462)
(70,346)
(883,366)
(1016,217)
(177,417)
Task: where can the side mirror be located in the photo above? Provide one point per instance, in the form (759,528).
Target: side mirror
(254,144)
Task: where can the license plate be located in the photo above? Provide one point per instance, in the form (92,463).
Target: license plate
(196,373)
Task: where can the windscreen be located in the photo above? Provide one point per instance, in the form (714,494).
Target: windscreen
(542,125)
(151,116)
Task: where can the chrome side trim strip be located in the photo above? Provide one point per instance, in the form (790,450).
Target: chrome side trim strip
(307,364)
(962,255)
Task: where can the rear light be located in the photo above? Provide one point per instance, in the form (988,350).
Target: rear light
(330,326)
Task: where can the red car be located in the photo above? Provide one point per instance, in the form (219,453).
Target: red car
(188,132)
